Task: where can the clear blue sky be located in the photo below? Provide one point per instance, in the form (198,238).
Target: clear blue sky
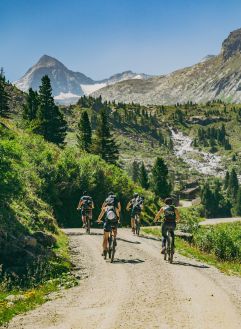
(103,37)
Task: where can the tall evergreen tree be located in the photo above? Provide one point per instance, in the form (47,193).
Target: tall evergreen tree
(84,135)
(160,184)
(105,144)
(237,207)
(143,176)
(135,171)
(226,180)
(4,97)
(31,107)
(51,124)
(208,201)
(233,184)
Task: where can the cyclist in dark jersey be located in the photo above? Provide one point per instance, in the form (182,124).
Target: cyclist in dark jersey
(171,217)
(111,209)
(136,206)
(86,205)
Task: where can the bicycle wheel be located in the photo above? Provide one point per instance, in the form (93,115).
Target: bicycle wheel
(87,225)
(113,250)
(137,225)
(166,249)
(170,258)
(110,246)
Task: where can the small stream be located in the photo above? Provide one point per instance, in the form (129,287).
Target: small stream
(204,162)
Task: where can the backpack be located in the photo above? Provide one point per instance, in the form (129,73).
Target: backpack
(87,202)
(169,213)
(111,201)
(111,214)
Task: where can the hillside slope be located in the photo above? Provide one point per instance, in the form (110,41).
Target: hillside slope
(218,77)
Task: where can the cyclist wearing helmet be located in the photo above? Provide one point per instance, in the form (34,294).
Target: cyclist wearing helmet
(171,217)
(111,212)
(135,205)
(86,205)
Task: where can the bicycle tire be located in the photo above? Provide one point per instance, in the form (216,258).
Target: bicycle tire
(87,225)
(170,249)
(113,251)
(110,246)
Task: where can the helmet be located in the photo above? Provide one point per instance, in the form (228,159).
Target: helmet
(85,193)
(111,193)
(168,201)
(135,195)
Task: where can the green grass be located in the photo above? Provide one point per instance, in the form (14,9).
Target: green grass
(32,297)
(188,250)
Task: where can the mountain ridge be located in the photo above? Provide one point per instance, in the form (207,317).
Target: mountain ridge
(68,86)
(214,77)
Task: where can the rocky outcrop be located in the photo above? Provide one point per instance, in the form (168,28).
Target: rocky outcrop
(19,253)
(232,45)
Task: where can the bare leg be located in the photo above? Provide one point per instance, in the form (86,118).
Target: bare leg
(105,240)
(133,224)
(84,220)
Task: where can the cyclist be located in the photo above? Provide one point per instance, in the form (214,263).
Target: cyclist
(111,209)
(135,205)
(171,217)
(86,205)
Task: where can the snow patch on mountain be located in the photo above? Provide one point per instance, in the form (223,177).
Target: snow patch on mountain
(89,89)
(62,96)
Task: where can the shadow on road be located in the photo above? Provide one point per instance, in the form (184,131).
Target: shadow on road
(128,241)
(128,261)
(149,237)
(189,264)
(75,233)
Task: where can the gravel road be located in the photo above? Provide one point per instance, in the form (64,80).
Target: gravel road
(139,290)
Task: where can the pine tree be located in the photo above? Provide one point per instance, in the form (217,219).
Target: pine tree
(51,124)
(84,135)
(233,184)
(226,180)
(31,107)
(4,97)
(105,144)
(143,176)
(208,201)
(160,184)
(135,171)
(237,208)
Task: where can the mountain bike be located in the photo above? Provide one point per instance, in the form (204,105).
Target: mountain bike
(111,245)
(137,224)
(169,248)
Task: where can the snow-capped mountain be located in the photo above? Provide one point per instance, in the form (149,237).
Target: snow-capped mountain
(67,85)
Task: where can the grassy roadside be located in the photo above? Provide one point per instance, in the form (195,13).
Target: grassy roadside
(19,300)
(188,250)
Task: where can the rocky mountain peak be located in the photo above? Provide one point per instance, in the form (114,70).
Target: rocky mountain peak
(232,45)
(48,61)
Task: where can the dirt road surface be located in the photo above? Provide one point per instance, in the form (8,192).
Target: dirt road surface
(214,221)
(139,290)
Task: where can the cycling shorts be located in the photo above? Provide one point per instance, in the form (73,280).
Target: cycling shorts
(109,226)
(87,212)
